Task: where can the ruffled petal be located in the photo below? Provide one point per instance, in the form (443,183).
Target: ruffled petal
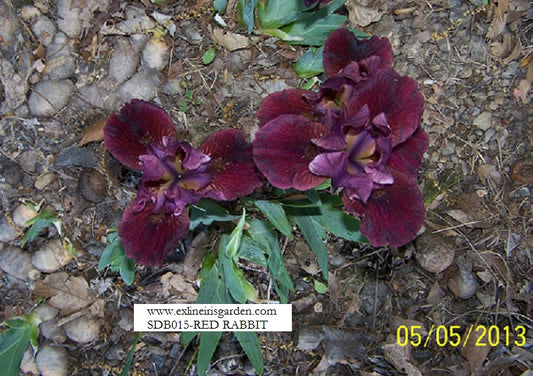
(127,134)
(329,164)
(394,95)
(407,156)
(289,101)
(149,237)
(393,214)
(232,166)
(342,47)
(283,149)
(193,158)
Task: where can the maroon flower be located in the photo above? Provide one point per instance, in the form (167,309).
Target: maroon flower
(174,175)
(361,129)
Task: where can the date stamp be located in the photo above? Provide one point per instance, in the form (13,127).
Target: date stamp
(455,336)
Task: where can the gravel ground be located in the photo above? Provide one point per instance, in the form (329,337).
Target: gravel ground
(66,65)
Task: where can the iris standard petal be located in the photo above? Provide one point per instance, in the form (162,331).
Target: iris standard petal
(342,47)
(397,97)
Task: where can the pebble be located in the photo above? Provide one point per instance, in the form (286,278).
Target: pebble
(31,161)
(46,312)
(155,54)
(49,96)
(44,181)
(123,62)
(45,30)
(463,283)
(51,256)
(9,32)
(136,22)
(143,85)
(68,18)
(92,185)
(522,171)
(7,231)
(190,34)
(434,253)
(28,365)
(15,262)
(60,61)
(15,87)
(10,172)
(82,329)
(22,214)
(76,156)
(52,361)
(52,331)
(483,121)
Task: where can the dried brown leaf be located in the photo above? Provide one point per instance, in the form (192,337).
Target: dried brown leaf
(94,132)
(360,15)
(499,18)
(399,357)
(475,355)
(67,293)
(230,41)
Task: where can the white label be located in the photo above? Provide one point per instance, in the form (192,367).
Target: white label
(212,317)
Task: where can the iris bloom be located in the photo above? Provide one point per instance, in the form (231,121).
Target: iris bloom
(361,129)
(174,175)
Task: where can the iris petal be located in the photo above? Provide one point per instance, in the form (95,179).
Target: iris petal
(393,214)
(283,149)
(396,97)
(148,236)
(234,172)
(342,47)
(289,101)
(126,135)
(407,156)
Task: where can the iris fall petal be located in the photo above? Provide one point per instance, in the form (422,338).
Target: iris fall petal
(126,135)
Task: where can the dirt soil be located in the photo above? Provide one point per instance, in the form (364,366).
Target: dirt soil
(66,65)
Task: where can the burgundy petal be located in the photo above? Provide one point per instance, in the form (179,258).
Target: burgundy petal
(394,95)
(342,48)
(407,156)
(148,237)
(283,149)
(234,172)
(393,214)
(139,123)
(289,101)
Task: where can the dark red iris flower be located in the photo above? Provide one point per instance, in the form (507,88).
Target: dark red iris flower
(361,129)
(174,175)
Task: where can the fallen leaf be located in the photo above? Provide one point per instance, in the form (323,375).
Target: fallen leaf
(94,132)
(499,18)
(67,293)
(175,283)
(475,355)
(399,357)
(230,41)
(488,171)
(360,15)
(524,86)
